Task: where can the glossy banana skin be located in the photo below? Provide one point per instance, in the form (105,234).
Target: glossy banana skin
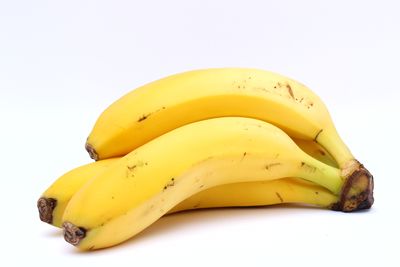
(207,154)
(54,200)
(219,162)
(285,190)
(52,203)
(161,106)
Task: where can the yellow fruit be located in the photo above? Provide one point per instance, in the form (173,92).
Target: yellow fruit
(148,182)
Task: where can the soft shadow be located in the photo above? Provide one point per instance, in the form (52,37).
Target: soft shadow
(55,232)
(177,220)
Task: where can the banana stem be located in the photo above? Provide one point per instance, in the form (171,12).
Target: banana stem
(322,174)
(357,190)
(330,140)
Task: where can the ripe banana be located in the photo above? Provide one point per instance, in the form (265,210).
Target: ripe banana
(166,104)
(259,193)
(53,201)
(148,182)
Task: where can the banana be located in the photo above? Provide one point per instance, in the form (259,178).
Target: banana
(259,193)
(163,105)
(316,151)
(148,182)
(263,193)
(166,104)
(53,201)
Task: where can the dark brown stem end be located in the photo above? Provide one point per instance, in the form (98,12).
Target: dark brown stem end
(357,192)
(46,207)
(92,152)
(72,233)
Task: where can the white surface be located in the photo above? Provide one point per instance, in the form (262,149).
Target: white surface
(63,62)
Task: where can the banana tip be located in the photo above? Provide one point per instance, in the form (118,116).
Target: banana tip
(357,192)
(92,152)
(72,233)
(46,207)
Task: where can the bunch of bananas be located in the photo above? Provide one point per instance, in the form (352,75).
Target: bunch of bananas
(200,139)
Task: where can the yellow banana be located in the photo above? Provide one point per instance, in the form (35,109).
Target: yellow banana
(262,193)
(148,182)
(53,201)
(259,193)
(166,104)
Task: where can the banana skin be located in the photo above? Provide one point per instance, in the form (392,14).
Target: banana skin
(158,107)
(161,106)
(53,201)
(151,180)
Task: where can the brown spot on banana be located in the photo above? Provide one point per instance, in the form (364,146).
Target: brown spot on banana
(316,136)
(290,91)
(244,155)
(170,183)
(130,171)
(308,167)
(131,168)
(279,196)
(270,165)
(143,117)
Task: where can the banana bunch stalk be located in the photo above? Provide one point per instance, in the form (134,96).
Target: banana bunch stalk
(201,139)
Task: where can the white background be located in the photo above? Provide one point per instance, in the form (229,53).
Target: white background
(63,62)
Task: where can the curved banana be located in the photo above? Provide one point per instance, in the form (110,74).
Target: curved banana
(260,193)
(163,105)
(166,104)
(148,182)
(53,201)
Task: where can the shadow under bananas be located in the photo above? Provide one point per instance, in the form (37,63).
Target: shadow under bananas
(54,233)
(175,221)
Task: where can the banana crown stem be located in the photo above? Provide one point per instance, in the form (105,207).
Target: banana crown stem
(357,192)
